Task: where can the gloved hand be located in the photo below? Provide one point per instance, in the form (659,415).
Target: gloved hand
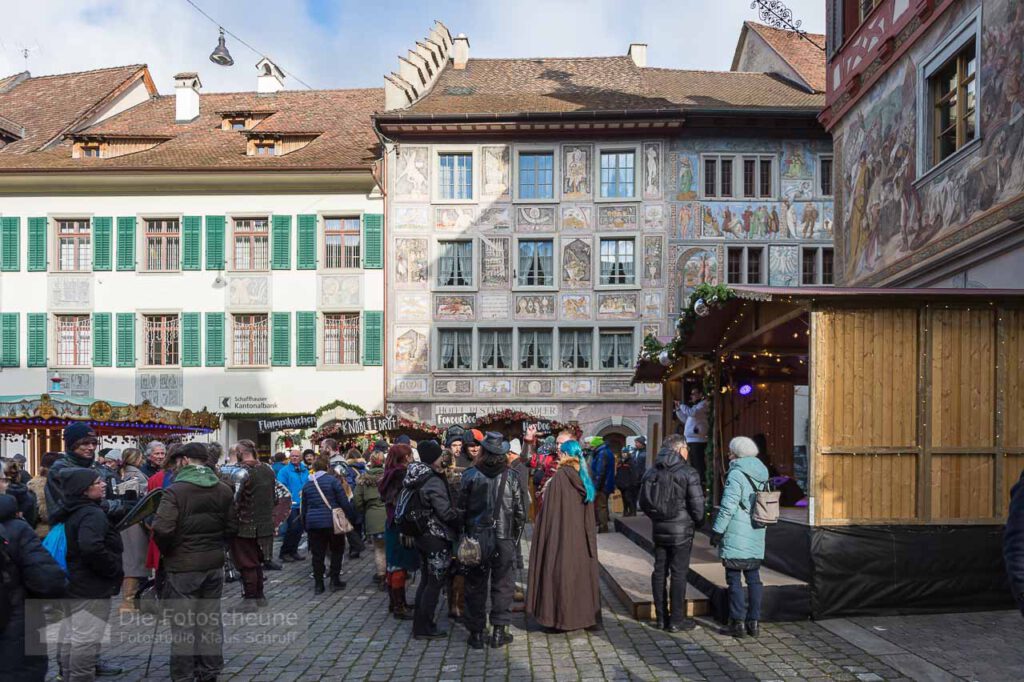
(715,538)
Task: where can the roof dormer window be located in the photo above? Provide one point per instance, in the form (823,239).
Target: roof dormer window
(265,148)
(91,151)
(235,124)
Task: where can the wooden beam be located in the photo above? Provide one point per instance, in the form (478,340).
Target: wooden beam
(764,328)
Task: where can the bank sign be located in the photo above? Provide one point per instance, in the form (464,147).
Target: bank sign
(246,403)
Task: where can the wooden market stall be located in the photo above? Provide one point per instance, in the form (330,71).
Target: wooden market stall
(40,420)
(915,432)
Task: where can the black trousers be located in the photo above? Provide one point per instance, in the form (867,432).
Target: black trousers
(498,570)
(435,556)
(322,541)
(674,560)
(696,459)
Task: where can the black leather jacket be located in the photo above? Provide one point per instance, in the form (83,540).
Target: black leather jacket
(479,491)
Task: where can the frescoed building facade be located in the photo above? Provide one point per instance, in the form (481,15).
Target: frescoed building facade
(545,215)
(926,108)
(194,250)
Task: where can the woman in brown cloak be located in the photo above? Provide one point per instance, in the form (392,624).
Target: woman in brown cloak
(563,592)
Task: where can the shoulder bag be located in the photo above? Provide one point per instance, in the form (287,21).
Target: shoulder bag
(341,523)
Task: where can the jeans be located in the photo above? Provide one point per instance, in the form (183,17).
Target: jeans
(435,555)
(292,533)
(674,560)
(498,569)
(197,638)
(601,508)
(695,458)
(81,635)
(738,607)
(322,540)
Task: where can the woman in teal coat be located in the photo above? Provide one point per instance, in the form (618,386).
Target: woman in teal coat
(741,544)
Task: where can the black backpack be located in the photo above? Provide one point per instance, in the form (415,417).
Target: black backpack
(411,515)
(659,494)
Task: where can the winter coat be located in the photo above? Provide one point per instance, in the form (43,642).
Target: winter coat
(602,469)
(38,487)
(55,495)
(390,487)
(480,486)
(26,500)
(294,478)
(624,477)
(277,466)
(149,469)
(563,590)
(678,530)
(740,539)
(195,517)
(444,521)
(135,539)
(368,501)
(94,547)
(1013,542)
(255,504)
(638,467)
(315,514)
(33,574)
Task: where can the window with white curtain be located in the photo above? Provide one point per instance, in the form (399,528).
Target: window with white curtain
(618,261)
(535,349)
(456,348)
(495,349)
(616,349)
(455,264)
(575,347)
(536,263)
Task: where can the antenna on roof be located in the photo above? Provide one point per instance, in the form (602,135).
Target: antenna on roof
(777,15)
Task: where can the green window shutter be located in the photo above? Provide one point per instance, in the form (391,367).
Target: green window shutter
(126,339)
(281,243)
(373,241)
(191,346)
(191,242)
(101,355)
(101,243)
(280,342)
(9,351)
(215,243)
(10,245)
(214,339)
(37,245)
(373,338)
(37,339)
(305,338)
(126,243)
(306,259)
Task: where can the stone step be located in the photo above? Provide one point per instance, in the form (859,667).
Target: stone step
(628,569)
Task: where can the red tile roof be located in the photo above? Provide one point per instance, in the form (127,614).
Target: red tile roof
(599,84)
(799,52)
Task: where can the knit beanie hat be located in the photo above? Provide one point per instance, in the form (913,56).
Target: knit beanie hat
(430,451)
(403,439)
(596,442)
(741,446)
(76,480)
(75,432)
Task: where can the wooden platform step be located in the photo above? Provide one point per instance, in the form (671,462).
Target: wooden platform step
(628,568)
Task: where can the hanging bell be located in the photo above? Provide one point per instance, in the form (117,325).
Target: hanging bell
(663,358)
(220,54)
(701,308)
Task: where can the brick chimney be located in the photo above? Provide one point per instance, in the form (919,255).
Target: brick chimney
(186,96)
(638,53)
(460,51)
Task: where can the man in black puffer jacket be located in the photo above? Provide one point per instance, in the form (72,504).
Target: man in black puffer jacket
(192,525)
(672,528)
(94,571)
(32,573)
(434,546)
(79,451)
(497,524)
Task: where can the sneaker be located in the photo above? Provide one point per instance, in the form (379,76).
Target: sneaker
(107,670)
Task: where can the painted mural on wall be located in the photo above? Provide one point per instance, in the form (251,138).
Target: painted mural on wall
(577,160)
(410,261)
(534,307)
(495,271)
(411,351)
(495,218)
(617,217)
(535,219)
(686,175)
(888,214)
(412,181)
(496,172)
(577,217)
(692,266)
(576,264)
(652,170)
(460,308)
(654,247)
(576,307)
(784,266)
(454,218)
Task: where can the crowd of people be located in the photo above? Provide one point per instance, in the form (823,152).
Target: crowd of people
(452,513)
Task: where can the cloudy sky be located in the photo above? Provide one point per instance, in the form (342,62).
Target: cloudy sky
(339,44)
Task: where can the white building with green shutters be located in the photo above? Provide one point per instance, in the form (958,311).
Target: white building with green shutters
(194,250)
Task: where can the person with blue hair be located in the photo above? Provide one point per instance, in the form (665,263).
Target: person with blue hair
(563,592)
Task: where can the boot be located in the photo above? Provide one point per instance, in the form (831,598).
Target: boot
(128,589)
(398,599)
(337,583)
(734,628)
(318,585)
(476,640)
(385,586)
(500,636)
(753,628)
(456,595)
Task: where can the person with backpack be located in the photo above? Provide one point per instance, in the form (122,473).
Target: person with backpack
(425,512)
(321,495)
(400,559)
(602,472)
(739,540)
(672,496)
(27,571)
(494,515)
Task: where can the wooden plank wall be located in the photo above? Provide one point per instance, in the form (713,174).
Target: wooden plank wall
(1010,410)
(768,410)
(864,400)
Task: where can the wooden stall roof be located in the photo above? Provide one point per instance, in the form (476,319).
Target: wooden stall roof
(780,310)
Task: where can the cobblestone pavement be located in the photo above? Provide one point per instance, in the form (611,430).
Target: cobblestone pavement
(349,635)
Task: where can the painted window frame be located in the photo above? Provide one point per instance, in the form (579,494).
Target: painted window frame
(818,274)
(231,230)
(435,155)
(230,340)
(744,264)
(435,257)
(55,335)
(596,265)
(555,260)
(952,44)
(554,151)
(618,148)
(54,241)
